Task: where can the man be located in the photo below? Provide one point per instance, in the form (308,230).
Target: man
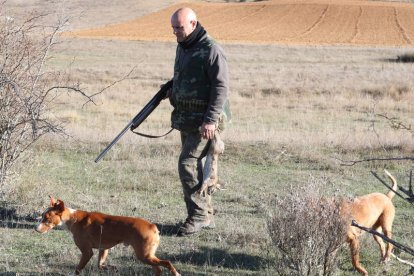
(199,95)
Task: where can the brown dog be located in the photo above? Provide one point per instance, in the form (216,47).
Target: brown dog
(374,211)
(96,230)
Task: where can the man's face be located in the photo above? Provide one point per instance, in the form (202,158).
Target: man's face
(182,28)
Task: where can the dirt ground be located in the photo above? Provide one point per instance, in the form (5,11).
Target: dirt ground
(283,22)
(317,22)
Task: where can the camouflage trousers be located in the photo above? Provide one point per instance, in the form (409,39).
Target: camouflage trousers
(190,169)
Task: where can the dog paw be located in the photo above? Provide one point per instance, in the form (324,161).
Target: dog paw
(384,260)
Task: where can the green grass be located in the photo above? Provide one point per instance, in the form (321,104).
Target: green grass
(144,183)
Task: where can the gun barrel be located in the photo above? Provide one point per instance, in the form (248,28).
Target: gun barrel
(140,117)
(102,154)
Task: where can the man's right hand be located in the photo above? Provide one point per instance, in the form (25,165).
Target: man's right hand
(207,131)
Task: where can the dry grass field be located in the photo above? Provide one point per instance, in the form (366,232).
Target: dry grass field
(311,82)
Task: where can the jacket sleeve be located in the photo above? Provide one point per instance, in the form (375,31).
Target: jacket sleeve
(217,72)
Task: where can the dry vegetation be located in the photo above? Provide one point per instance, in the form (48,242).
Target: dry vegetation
(297,110)
(307,230)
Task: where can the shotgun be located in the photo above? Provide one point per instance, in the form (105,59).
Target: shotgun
(140,117)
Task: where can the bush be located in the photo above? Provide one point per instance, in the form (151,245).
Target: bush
(28,89)
(307,231)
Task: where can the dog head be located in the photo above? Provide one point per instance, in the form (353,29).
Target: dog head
(52,216)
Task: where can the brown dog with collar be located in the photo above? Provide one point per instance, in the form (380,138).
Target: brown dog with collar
(100,231)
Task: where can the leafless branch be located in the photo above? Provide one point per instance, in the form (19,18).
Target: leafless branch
(396,123)
(353,162)
(125,77)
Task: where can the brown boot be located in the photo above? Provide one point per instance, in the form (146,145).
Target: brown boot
(191,226)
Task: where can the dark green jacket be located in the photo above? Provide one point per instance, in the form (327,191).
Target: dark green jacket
(200,88)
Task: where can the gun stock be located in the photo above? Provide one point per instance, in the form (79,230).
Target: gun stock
(140,117)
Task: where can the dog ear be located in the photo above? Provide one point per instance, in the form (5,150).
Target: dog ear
(60,205)
(52,201)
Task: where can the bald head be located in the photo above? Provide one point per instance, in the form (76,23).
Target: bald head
(183,23)
(184,14)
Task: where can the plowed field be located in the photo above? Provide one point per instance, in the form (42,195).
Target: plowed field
(280,22)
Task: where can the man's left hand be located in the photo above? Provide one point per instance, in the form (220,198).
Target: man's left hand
(207,130)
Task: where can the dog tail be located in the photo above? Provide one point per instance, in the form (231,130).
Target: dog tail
(391,193)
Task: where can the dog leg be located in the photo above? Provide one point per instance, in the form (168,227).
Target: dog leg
(389,215)
(103,254)
(146,254)
(381,245)
(155,262)
(354,246)
(390,246)
(87,254)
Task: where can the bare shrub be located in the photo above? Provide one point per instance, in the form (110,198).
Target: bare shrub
(306,230)
(27,89)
